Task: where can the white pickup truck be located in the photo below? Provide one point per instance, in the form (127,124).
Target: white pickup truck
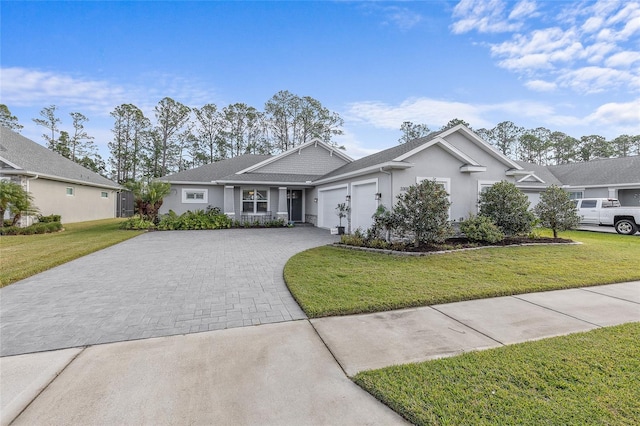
(607,211)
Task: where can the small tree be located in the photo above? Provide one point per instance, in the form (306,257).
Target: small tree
(149,197)
(15,199)
(423,213)
(556,210)
(508,208)
(342,210)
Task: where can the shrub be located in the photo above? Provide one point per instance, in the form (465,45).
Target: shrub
(481,228)
(198,219)
(423,213)
(49,219)
(356,239)
(508,208)
(556,210)
(137,223)
(383,223)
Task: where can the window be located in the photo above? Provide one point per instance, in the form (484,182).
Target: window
(104,194)
(588,204)
(70,191)
(255,200)
(195,195)
(610,203)
(575,195)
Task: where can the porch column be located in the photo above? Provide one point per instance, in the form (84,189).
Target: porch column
(613,192)
(229,204)
(283,212)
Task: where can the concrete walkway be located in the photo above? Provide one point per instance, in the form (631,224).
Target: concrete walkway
(364,342)
(157,284)
(284,374)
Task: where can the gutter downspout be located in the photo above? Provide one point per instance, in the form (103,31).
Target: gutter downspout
(28,180)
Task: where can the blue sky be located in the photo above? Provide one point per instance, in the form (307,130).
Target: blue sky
(572,66)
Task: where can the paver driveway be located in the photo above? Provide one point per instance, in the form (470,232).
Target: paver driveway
(157,284)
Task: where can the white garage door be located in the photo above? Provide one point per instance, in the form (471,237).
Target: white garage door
(328,200)
(363,205)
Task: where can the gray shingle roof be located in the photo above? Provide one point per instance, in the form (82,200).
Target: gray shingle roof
(381,157)
(34,158)
(599,172)
(269,177)
(216,170)
(542,172)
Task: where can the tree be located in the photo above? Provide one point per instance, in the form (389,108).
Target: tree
(129,130)
(534,145)
(453,123)
(505,137)
(242,130)
(80,143)
(15,199)
(556,210)
(508,208)
(209,132)
(625,145)
(8,120)
(50,122)
(563,147)
(292,120)
(148,197)
(423,213)
(171,116)
(411,131)
(594,146)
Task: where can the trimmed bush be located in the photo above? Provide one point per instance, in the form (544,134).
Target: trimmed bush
(508,208)
(49,219)
(137,223)
(481,229)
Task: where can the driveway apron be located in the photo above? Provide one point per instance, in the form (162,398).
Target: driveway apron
(157,284)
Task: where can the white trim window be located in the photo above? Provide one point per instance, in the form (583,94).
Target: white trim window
(195,195)
(70,191)
(255,200)
(576,195)
(104,194)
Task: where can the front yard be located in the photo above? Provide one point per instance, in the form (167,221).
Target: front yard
(336,281)
(24,255)
(586,378)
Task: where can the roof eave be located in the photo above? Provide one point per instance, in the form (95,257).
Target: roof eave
(58,178)
(389,165)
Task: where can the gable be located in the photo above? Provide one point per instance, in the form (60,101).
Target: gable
(312,159)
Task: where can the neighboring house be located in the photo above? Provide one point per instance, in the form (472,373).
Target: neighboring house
(305,184)
(57,184)
(602,178)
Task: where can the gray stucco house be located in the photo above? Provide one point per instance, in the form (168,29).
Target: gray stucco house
(602,178)
(57,184)
(306,184)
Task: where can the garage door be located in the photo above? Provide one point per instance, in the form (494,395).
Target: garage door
(363,205)
(328,200)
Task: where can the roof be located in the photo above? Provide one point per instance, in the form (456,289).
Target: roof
(608,171)
(26,157)
(541,172)
(217,170)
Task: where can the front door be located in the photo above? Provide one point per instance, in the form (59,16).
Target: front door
(294,205)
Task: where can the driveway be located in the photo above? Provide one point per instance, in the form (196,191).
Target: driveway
(157,284)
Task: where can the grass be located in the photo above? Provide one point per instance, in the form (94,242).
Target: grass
(336,281)
(586,378)
(24,255)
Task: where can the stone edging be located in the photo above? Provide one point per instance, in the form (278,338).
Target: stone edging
(429,253)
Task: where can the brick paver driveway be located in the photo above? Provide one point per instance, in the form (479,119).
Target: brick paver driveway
(157,284)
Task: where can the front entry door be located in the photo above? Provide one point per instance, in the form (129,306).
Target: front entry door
(294,205)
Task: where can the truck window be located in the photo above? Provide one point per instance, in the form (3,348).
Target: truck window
(588,204)
(610,203)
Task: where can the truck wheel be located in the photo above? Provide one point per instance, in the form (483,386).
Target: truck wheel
(626,227)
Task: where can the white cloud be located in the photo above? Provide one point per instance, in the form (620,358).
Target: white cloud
(597,79)
(623,59)
(403,18)
(485,16)
(524,9)
(625,116)
(541,85)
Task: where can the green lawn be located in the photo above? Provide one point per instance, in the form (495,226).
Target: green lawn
(336,281)
(24,255)
(588,378)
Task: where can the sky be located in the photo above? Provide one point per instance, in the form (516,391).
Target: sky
(570,66)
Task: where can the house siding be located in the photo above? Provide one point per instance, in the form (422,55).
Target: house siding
(85,204)
(173,201)
(311,160)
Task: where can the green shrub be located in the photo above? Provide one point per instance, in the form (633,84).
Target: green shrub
(422,213)
(355,239)
(556,210)
(481,228)
(9,230)
(193,220)
(49,219)
(508,208)
(137,223)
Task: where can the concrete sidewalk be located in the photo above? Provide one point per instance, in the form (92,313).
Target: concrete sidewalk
(284,374)
(370,341)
